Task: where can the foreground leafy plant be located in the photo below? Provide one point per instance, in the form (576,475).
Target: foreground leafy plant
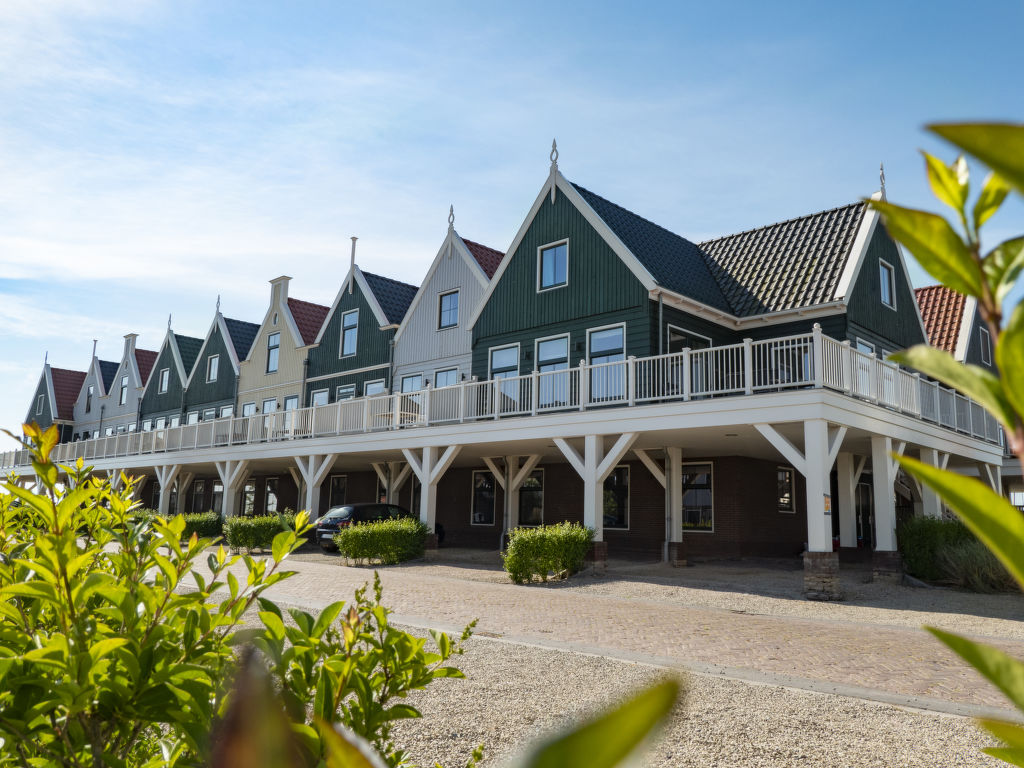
(960,263)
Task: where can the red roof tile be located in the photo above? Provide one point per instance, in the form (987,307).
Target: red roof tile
(309,317)
(66,386)
(145,359)
(942,310)
(487,258)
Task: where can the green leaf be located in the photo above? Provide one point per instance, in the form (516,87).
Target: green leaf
(1000,669)
(998,524)
(1008,733)
(401,712)
(1002,266)
(346,749)
(327,617)
(935,244)
(1000,146)
(949,183)
(609,739)
(1010,358)
(971,380)
(98,650)
(1011,756)
(991,198)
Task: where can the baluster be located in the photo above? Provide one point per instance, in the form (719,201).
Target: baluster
(584,384)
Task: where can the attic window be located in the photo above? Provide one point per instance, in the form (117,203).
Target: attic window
(124,391)
(986,346)
(274,320)
(552,266)
(349,332)
(165,377)
(887,284)
(39,405)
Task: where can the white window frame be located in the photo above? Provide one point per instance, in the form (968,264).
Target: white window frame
(986,345)
(605,328)
(123,395)
(277,494)
(446,370)
(163,381)
(540,250)
(629,499)
(210,364)
(866,343)
(669,327)
(458,310)
(193,417)
(277,365)
(714,519)
(492,350)
(39,405)
(131,427)
(472,496)
(207,413)
(160,423)
(226,412)
(263,405)
(341,340)
(382,383)
(792,495)
(401,384)
(543,495)
(251,407)
(351,392)
(315,392)
(175,421)
(882,265)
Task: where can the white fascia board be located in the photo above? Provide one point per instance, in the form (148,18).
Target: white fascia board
(48,374)
(229,343)
(858,251)
(467,256)
(293,327)
(963,339)
(206,340)
(364,287)
(167,340)
(732,322)
(424,286)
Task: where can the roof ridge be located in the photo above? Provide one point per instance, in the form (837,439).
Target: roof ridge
(779,223)
(631,213)
(391,279)
(303,301)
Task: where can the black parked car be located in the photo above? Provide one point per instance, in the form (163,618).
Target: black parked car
(343,516)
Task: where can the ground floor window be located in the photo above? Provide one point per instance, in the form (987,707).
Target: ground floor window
(787,502)
(616,498)
(698,499)
(531,499)
(483,498)
(270,497)
(198,495)
(249,498)
(338,487)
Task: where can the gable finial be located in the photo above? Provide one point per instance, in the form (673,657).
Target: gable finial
(46,358)
(554,155)
(881,179)
(451,216)
(352,265)
(168,322)
(94,347)
(218,303)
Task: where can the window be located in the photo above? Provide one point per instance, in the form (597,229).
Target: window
(198,495)
(160,423)
(217,501)
(88,399)
(338,487)
(147,425)
(504,362)
(887,284)
(175,421)
(212,364)
(108,431)
(986,346)
(413,383)
(274,320)
(616,499)
(209,414)
(607,345)
(483,498)
(698,498)
(273,351)
(531,499)
(164,380)
(249,498)
(193,417)
(291,402)
(787,503)
(865,346)
(346,392)
(553,355)
(269,406)
(553,266)
(120,429)
(349,332)
(448,310)
(248,409)
(227,411)
(123,400)
(270,495)
(320,397)
(375,387)
(449,377)
(131,427)
(39,405)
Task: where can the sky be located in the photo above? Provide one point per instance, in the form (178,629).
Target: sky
(155,154)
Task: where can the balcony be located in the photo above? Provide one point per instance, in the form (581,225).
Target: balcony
(753,367)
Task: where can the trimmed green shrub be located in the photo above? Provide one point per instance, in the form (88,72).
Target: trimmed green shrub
(255,532)
(205,525)
(972,566)
(384,541)
(922,539)
(548,550)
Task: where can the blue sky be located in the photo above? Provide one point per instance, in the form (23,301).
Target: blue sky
(156,154)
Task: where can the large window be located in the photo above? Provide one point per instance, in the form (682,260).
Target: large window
(698,498)
(161,422)
(212,366)
(616,498)
(531,499)
(349,332)
(505,365)
(270,495)
(217,502)
(164,381)
(446,378)
(887,283)
(248,409)
(784,480)
(273,352)
(553,355)
(249,498)
(193,417)
(413,383)
(124,391)
(338,487)
(483,498)
(320,397)
(198,495)
(227,411)
(553,266)
(605,346)
(448,310)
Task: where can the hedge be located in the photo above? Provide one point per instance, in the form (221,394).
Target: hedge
(206,525)
(945,551)
(384,541)
(548,550)
(257,531)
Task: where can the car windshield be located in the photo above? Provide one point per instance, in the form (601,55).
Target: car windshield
(338,513)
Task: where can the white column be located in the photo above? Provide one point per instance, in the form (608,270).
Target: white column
(848,469)
(931,504)
(429,466)
(232,474)
(883,473)
(674,489)
(166,477)
(314,469)
(816,477)
(594,466)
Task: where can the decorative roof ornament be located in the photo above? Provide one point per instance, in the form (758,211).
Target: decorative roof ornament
(46,358)
(881,179)
(218,303)
(554,167)
(451,217)
(168,322)
(352,265)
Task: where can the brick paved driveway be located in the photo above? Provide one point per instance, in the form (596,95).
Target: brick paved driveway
(876,661)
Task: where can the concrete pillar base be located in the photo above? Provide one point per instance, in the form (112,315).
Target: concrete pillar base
(886,567)
(821,576)
(676,554)
(597,557)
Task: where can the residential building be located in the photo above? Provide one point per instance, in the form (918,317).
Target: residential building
(211,387)
(108,403)
(54,400)
(163,397)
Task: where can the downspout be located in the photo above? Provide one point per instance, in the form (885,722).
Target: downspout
(305,375)
(661,324)
(99,429)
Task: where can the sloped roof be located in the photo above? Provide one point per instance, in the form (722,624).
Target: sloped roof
(108,370)
(942,310)
(188,348)
(673,261)
(309,317)
(788,265)
(487,258)
(242,335)
(145,359)
(393,296)
(66,386)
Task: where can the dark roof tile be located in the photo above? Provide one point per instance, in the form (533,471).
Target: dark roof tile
(188,348)
(242,334)
(393,296)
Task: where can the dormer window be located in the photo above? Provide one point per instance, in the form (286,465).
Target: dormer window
(164,381)
(273,351)
(39,405)
(986,346)
(212,364)
(887,284)
(123,400)
(553,266)
(448,310)
(349,332)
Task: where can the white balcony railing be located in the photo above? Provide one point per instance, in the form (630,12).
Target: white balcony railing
(792,362)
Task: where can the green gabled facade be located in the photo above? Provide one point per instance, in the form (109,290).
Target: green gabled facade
(380,304)
(164,395)
(53,401)
(229,340)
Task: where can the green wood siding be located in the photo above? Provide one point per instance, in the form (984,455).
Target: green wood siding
(831,325)
(169,403)
(44,419)
(868,317)
(359,379)
(974,344)
(201,394)
(718,334)
(373,347)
